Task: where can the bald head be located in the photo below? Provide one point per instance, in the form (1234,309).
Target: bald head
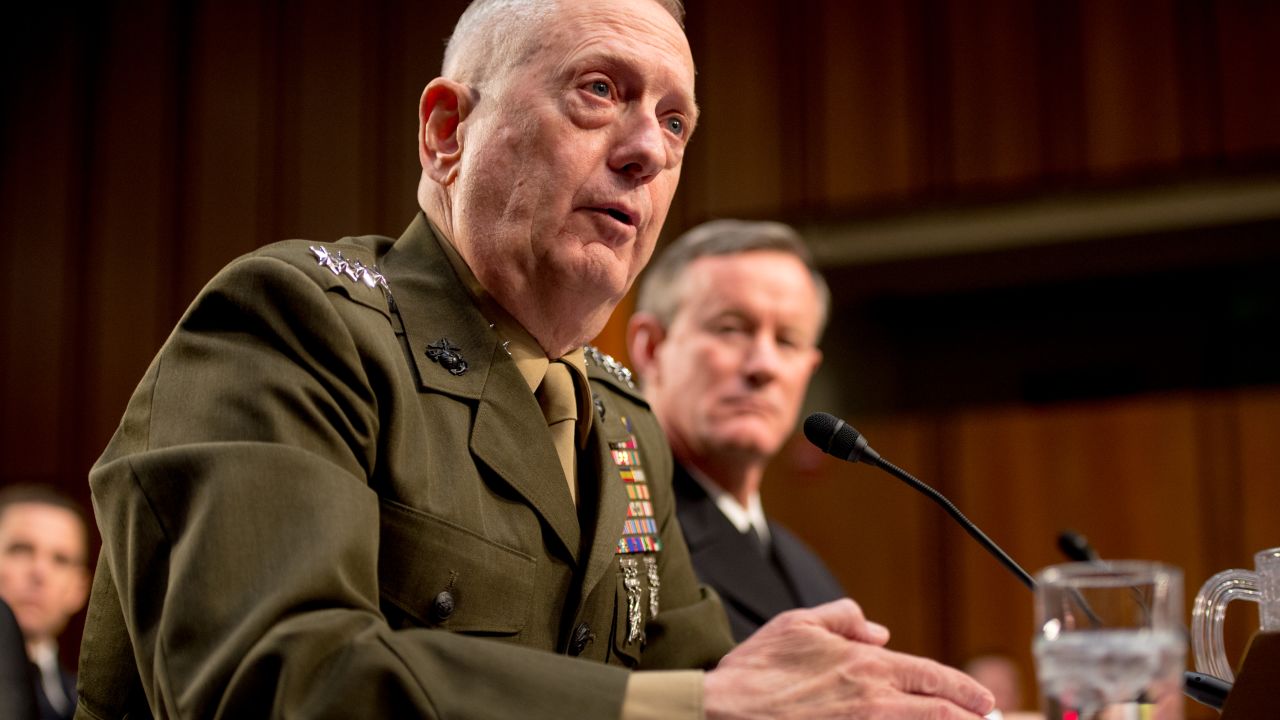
(491,36)
(551,148)
(494,35)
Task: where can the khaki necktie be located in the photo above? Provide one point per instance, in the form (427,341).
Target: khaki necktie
(560,407)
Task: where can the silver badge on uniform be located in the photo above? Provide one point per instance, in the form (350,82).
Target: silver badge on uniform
(651,569)
(635,614)
(355,270)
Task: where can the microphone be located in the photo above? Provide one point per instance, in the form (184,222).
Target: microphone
(836,437)
(1076,547)
(1205,689)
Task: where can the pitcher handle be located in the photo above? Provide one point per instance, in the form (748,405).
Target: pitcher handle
(1207,617)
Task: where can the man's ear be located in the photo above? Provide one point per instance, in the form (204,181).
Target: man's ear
(82,590)
(644,335)
(444,106)
(816,361)
(77,592)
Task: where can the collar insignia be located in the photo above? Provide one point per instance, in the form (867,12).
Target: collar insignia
(448,355)
(354,270)
(609,365)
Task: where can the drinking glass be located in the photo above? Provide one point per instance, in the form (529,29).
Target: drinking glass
(1109,640)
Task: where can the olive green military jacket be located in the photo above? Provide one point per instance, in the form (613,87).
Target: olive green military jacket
(315,506)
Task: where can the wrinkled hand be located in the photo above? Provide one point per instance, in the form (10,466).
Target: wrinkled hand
(830,662)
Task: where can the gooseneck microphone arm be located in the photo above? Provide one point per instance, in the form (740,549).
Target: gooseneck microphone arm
(954,512)
(835,437)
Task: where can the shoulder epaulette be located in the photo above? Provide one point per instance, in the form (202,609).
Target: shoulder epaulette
(354,270)
(611,366)
(343,264)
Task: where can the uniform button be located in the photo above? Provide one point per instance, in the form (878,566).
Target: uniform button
(582,636)
(442,606)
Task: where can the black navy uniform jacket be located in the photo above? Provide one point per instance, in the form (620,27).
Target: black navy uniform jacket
(752,587)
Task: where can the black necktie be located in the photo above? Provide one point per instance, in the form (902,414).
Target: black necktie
(757,542)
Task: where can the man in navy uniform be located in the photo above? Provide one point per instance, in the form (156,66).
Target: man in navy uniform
(725,339)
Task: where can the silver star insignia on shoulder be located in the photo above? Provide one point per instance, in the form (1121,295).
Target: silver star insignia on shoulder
(609,365)
(354,270)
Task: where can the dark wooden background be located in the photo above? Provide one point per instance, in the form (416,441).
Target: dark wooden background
(144,144)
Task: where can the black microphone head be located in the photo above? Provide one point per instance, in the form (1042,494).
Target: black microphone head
(834,436)
(1075,547)
(820,428)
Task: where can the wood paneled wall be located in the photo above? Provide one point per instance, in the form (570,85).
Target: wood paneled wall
(144,144)
(816,108)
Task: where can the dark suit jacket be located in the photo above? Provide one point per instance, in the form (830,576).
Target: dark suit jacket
(752,587)
(47,711)
(17,686)
(297,488)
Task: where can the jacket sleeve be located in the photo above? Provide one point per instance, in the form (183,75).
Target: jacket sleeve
(240,535)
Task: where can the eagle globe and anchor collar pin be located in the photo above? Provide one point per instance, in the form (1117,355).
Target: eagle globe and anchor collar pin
(442,351)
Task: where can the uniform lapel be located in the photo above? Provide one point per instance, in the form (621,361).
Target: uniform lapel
(809,577)
(791,563)
(611,507)
(509,433)
(725,558)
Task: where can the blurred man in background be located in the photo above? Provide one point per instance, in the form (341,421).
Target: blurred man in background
(44,578)
(725,341)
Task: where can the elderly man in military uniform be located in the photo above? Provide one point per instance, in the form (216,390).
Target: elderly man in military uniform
(383,478)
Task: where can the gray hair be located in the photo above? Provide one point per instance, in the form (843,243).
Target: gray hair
(658,294)
(493,35)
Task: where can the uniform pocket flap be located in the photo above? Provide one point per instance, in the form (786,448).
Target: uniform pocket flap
(446,576)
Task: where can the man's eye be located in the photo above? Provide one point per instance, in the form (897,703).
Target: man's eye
(600,88)
(675,126)
(790,341)
(19,550)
